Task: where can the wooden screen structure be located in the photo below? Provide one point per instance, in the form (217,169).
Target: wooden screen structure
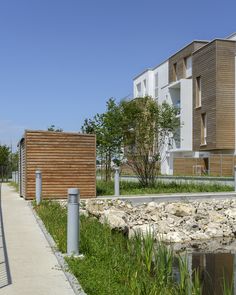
(65,160)
(216,165)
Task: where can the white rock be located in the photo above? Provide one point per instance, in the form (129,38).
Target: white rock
(213,230)
(163,227)
(151,206)
(199,236)
(114,220)
(83,212)
(180,209)
(142,229)
(177,237)
(94,208)
(231,213)
(216,217)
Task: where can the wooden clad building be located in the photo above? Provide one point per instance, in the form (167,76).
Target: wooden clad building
(65,160)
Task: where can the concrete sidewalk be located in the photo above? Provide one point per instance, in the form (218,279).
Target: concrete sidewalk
(33,268)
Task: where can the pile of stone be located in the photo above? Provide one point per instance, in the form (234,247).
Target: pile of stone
(178,222)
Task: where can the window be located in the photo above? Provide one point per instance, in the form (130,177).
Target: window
(144,87)
(188,66)
(156,85)
(203,129)
(139,88)
(198,92)
(175,71)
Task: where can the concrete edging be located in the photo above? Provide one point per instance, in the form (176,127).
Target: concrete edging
(171,197)
(78,290)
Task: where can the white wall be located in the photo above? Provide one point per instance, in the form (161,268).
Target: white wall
(166,92)
(186,116)
(163,80)
(163,95)
(148,77)
(232,37)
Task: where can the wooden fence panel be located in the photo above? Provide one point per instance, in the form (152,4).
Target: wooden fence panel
(65,160)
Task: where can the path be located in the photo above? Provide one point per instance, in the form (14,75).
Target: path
(33,268)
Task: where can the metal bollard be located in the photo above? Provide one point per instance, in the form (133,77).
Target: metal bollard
(73,222)
(235,178)
(38,186)
(117,181)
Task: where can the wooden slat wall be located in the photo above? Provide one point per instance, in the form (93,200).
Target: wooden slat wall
(222,165)
(219,165)
(204,65)
(179,57)
(65,159)
(225,94)
(215,165)
(215,63)
(227,165)
(185,166)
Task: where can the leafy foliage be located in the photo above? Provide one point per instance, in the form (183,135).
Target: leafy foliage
(14,158)
(146,126)
(5,161)
(107,127)
(53,128)
(135,130)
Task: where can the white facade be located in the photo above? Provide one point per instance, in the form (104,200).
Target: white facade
(179,94)
(143,84)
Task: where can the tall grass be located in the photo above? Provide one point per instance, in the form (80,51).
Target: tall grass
(227,286)
(114,264)
(132,188)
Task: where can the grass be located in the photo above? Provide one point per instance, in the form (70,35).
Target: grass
(134,188)
(113,264)
(14,185)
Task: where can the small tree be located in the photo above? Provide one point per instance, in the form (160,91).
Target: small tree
(146,124)
(55,129)
(4,161)
(108,130)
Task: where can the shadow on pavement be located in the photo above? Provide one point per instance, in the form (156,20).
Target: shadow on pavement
(5,275)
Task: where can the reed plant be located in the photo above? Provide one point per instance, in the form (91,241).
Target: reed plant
(227,286)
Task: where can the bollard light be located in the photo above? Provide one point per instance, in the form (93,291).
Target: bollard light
(38,186)
(117,181)
(73,222)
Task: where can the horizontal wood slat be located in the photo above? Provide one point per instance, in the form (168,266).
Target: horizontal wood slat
(219,165)
(65,160)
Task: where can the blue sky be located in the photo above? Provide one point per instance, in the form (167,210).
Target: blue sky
(60,60)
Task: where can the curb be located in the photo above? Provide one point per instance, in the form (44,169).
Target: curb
(78,290)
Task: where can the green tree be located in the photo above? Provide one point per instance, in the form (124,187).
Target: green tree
(55,129)
(4,161)
(14,161)
(146,126)
(108,129)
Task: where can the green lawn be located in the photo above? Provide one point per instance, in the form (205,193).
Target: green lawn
(134,188)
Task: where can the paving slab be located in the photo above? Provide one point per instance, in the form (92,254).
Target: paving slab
(28,265)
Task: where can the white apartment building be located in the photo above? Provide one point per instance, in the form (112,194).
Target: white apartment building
(155,83)
(187,81)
